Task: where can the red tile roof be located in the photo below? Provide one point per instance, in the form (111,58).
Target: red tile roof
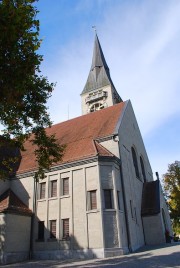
(78,135)
(9,202)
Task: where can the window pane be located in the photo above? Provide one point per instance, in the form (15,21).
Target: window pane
(93,202)
(53,188)
(108,199)
(65,186)
(53,229)
(143,169)
(41,230)
(65,228)
(42,191)
(135,162)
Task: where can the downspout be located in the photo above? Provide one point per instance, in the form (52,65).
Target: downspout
(116,139)
(32,219)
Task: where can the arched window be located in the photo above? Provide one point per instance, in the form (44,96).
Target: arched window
(142,168)
(135,162)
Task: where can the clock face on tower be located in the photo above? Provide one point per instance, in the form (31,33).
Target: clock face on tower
(97,106)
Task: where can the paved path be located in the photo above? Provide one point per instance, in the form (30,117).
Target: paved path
(151,257)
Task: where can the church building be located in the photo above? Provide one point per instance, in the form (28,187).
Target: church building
(100,200)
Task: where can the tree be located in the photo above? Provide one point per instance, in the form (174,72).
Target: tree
(23,90)
(172,190)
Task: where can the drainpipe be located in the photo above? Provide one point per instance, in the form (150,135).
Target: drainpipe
(116,139)
(32,219)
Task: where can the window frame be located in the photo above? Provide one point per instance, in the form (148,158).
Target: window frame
(92,200)
(42,192)
(52,183)
(64,190)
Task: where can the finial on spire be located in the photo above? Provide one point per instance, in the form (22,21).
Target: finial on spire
(95,30)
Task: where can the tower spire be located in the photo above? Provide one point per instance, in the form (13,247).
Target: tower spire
(99,78)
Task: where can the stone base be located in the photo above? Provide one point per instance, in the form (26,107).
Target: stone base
(68,254)
(99,253)
(13,257)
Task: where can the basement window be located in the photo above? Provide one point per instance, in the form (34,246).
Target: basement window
(41,230)
(52,229)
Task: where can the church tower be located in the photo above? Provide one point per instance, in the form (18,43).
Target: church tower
(99,91)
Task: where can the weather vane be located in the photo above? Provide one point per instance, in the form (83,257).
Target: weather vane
(94,27)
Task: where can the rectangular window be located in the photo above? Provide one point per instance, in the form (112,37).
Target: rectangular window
(53,188)
(65,186)
(41,230)
(92,202)
(42,190)
(53,229)
(65,228)
(108,199)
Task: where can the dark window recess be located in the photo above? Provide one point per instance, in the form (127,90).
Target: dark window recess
(41,230)
(53,229)
(118,198)
(131,208)
(65,186)
(53,188)
(108,199)
(135,162)
(92,200)
(42,190)
(65,228)
(143,169)
(135,215)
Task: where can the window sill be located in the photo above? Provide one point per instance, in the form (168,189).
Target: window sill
(139,179)
(53,198)
(64,196)
(65,239)
(92,211)
(41,199)
(109,209)
(120,211)
(39,240)
(52,240)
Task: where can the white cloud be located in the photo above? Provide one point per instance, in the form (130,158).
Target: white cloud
(141,41)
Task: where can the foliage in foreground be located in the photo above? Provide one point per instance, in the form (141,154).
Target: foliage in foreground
(23,91)
(172,190)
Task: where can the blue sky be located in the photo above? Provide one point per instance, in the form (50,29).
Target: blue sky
(141,42)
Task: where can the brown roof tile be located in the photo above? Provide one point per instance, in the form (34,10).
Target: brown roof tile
(78,135)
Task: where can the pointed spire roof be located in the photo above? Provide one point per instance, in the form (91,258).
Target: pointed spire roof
(99,75)
(98,59)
